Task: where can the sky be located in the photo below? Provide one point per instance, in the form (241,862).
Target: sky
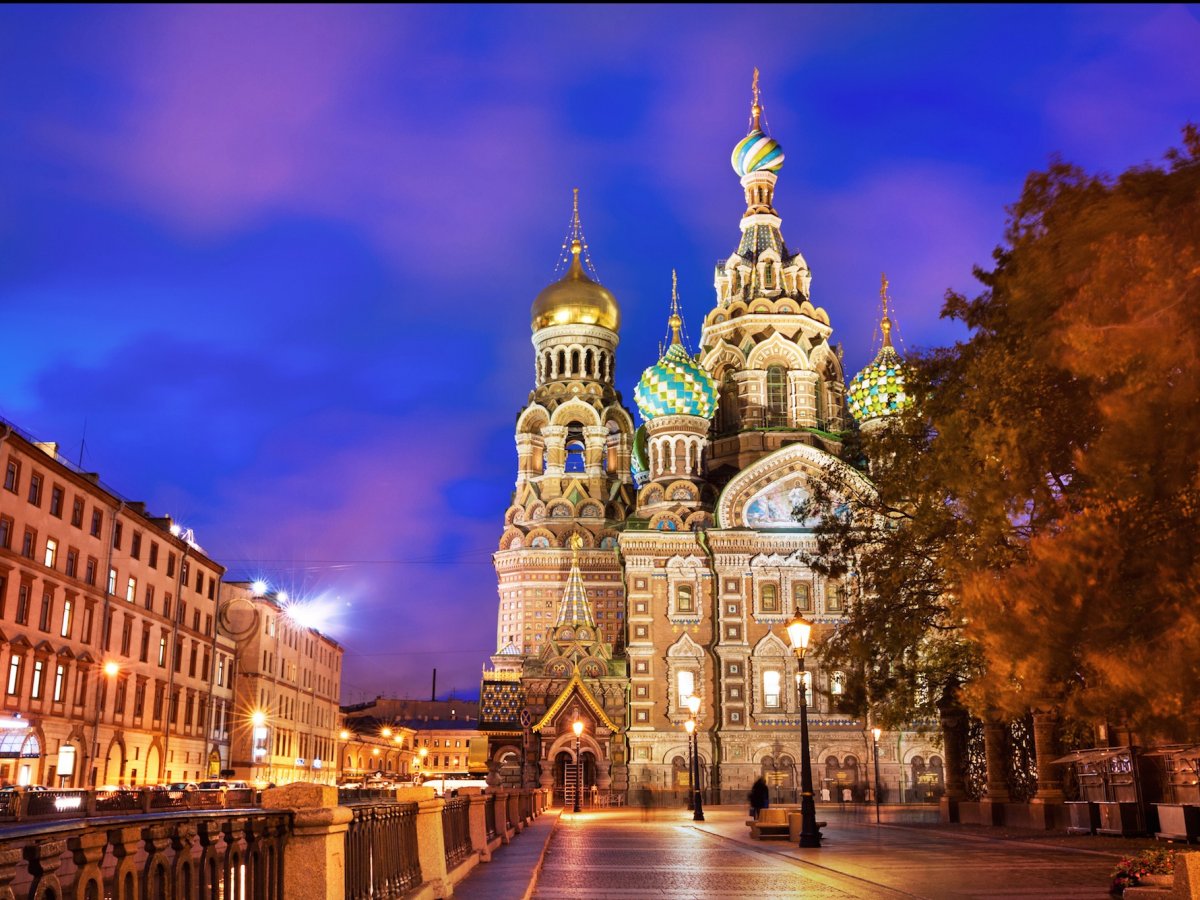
(269,269)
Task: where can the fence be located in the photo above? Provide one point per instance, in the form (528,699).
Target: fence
(456,830)
(23,806)
(205,855)
(382,858)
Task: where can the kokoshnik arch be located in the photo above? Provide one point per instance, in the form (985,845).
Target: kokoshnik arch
(640,565)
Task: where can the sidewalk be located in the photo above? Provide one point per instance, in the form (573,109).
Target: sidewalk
(514,868)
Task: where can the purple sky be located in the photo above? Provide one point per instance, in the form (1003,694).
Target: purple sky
(280,261)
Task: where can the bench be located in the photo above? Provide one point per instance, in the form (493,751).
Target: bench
(773,824)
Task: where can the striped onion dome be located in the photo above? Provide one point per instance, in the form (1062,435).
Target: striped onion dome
(756,152)
(878,390)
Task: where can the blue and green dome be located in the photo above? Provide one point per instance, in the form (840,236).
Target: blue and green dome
(639,461)
(878,390)
(676,386)
(756,152)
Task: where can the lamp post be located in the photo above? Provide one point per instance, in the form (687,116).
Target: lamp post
(690,727)
(258,725)
(693,704)
(577,727)
(344,737)
(875,733)
(799,630)
(422,753)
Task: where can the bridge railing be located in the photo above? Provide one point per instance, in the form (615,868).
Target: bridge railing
(456,830)
(65,804)
(204,855)
(382,857)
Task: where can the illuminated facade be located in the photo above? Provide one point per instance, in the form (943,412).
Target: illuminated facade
(638,568)
(286,721)
(114,670)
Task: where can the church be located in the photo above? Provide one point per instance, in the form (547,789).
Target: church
(642,564)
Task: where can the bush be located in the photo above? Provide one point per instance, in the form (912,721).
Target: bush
(1132,869)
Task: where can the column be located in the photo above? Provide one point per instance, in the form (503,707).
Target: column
(954,745)
(802,394)
(995,745)
(1046,749)
(314,855)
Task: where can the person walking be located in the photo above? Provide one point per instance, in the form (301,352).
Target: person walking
(760,797)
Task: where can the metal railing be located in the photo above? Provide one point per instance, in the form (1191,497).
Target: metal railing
(210,855)
(456,830)
(382,859)
(25,806)
(489,816)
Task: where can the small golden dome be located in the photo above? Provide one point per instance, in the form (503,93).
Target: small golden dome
(575,300)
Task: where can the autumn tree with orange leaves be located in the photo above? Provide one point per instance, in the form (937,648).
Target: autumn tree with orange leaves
(1035,539)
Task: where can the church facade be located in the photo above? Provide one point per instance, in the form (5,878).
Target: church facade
(641,565)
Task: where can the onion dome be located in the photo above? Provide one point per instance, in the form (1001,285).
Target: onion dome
(757,151)
(677,385)
(878,390)
(639,460)
(575,299)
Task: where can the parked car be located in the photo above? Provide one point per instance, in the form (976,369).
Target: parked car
(181,786)
(24,787)
(213,786)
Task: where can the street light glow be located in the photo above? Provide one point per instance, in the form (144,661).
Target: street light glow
(693,705)
(111,669)
(690,725)
(258,718)
(877,732)
(344,735)
(577,727)
(799,630)
(259,588)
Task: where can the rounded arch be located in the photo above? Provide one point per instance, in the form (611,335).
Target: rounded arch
(114,761)
(541,537)
(666,521)
(777,350)
(614,413)
(689,492)
(512,539)
(721,357)
(533,419)
(575,411)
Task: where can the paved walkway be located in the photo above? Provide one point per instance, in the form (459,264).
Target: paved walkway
(623,853)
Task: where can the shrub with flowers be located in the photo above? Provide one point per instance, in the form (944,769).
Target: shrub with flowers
(1132,869)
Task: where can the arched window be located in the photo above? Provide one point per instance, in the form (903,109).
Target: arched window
(685,602)
(769,599)
(686,682)
(727,411)
(589,358)
(562,364)
(776,396)
(772,697)
(574,362)
(575,446)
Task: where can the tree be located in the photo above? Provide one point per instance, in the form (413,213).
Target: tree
(1035,531)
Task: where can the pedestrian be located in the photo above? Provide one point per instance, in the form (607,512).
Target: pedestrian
(645,800)
(760,797)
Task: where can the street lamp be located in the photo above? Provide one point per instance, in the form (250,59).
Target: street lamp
(690,727)
(875,733)
(578,729)
(799,630)
(260,744)
(693,705)
(422,753)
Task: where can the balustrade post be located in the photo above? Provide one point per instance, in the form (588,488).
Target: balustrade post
(431,843)
(314,855)
(156,839)
(478,819)
(1046,807)
(954,745)
(514,811)
(125,843)
(9,857)
(995,744)
(44,858)
(87,850)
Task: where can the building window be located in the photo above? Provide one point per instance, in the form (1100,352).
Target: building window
(126,635)
(837,683)
(56,501)
(12,475)
(135,545)
(14,676)
(685,601)
(51,553)
(6,530)
(90,571)
(145,651)
(72,562)
(23,605)
(769,599)
(162,652)
(38,670)
(112,581)
(45,614)
(87,624)
(28,543)
(806,678)
(149,604)
(77,512)
(771,696)
(170,565)
(834,598)
(802,595)
(153,555)
(68,607)
(686,682)
(776,396)
(131,590)
(60,678)
(35,489)
(97,522)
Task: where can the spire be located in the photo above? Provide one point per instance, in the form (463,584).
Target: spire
(756,106)
(675,321)
(574,609)
(576,231)
(885,324)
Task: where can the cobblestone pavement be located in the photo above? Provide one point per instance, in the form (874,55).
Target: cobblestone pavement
(623,854)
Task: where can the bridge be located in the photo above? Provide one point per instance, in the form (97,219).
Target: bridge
(299,842)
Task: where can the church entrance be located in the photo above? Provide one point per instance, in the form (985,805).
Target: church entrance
(567,778)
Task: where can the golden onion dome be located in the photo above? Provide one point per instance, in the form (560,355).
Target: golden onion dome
(575,300)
